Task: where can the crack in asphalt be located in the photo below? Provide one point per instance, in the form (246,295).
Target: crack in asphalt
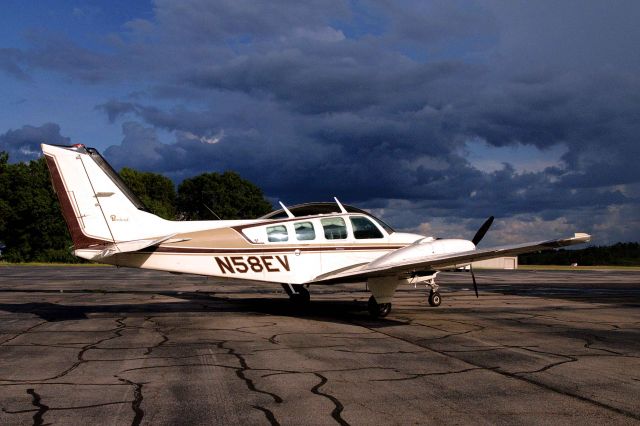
(420,375)
(526,379)
(23,332)
(339,370)
(244,367)
(42,408)
(22,383)
(137,400)
(293,347)
(157,329)
(589,344)
(268,414)
(38,417)
(137,392)
(336,413)
(474,328)
(346,335)
(351,351)
(117,332)
(372,331)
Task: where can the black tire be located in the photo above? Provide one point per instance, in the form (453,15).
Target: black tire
(378,310)
(385,308)
(435,299)
(302,297)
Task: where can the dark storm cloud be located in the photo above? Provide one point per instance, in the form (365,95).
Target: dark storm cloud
(59,53)
(10,62)
(24,144)
(243,20)
(325,79)
(379,102)
(436,22)
(55,52)
(116,109)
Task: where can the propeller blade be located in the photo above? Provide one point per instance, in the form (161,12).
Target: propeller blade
(473,277)
(483,230)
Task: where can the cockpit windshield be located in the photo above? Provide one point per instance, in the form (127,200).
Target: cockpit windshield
(311,209)
(386,227)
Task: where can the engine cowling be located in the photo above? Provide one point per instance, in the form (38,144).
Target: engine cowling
(422,250)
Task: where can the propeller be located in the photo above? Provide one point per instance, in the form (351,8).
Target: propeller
(476,239)
(483,230)
(473,277)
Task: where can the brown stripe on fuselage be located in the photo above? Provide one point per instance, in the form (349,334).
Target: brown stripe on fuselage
(217,237)
(319,248)
(80,240)
(231,240)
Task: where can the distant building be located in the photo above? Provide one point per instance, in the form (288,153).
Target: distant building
(508,262)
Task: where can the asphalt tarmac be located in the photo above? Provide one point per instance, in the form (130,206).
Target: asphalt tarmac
(100,345)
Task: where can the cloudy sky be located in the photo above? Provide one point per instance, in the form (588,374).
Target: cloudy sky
(432,114)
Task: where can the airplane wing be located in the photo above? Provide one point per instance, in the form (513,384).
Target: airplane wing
(442,261)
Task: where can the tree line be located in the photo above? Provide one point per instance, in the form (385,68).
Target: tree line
(620,254)
(32,228)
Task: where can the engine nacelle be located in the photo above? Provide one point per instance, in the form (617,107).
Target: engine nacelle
(421,251)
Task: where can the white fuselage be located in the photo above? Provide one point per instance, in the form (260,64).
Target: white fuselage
(108,224)
(244,251)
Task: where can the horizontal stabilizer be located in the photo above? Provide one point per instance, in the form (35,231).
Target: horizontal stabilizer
(135,245)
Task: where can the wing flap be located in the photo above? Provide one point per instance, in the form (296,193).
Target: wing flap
(444,261)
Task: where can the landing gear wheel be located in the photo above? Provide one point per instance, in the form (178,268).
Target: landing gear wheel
(435,299)
(302,297)
(298,294)
(378,310)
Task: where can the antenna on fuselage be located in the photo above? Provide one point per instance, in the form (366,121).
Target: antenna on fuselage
(286,210)
(342,209)
(211,211)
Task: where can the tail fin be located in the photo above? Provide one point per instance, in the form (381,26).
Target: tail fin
(97,205)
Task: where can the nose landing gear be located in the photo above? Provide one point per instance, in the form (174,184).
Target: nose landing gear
(434,298)
(430,281)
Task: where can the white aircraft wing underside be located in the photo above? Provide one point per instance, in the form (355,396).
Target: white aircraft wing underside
(442,261)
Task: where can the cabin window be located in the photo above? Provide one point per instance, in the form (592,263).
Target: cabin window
(363,228)
(277,233)
(304,231)
(334,228)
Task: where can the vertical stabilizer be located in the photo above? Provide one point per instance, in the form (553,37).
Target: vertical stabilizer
(98,207)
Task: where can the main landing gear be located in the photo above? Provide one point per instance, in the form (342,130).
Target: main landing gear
(378,310)
(298,294)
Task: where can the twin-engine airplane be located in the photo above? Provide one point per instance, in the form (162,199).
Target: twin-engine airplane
(318,243)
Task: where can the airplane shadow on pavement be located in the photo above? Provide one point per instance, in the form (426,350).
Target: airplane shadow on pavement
(195,302)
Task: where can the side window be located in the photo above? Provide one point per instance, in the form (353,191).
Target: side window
(363,228)
(304,231)
(334,228)
(277,233)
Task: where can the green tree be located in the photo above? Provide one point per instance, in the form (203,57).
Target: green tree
(33,229)
(623,254)
(30,218)
(157,192)
(227,194)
